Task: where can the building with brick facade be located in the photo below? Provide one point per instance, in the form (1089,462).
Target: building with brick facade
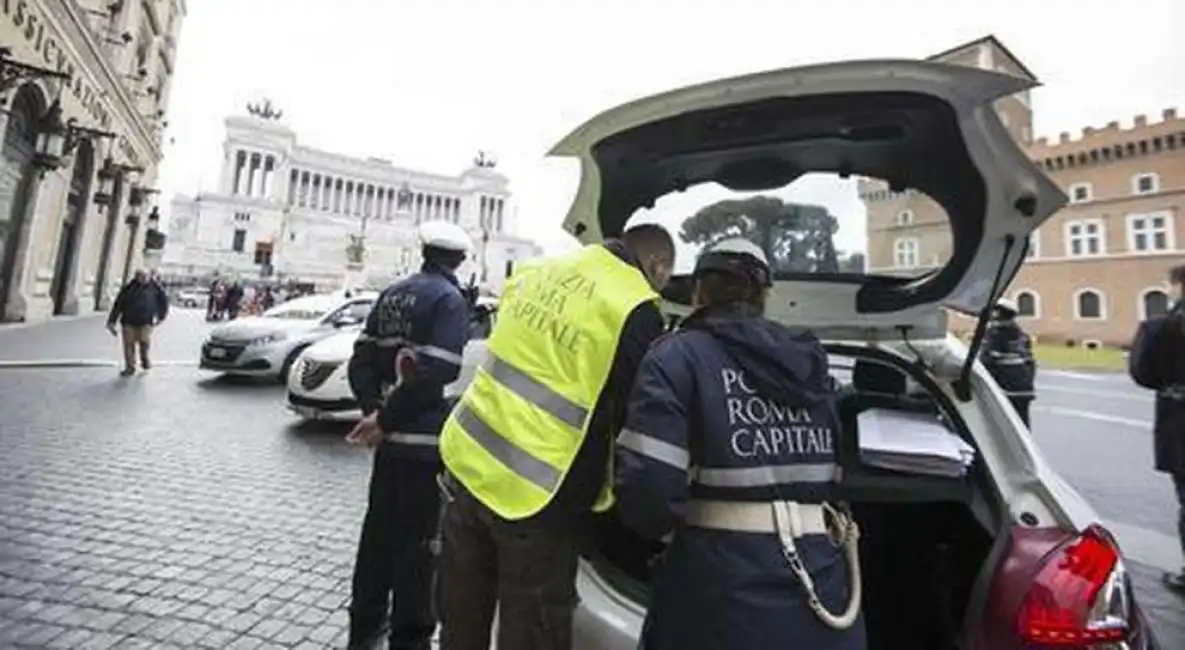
(1096,267)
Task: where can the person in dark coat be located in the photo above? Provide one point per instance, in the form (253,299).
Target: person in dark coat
(233,300)
(1156,361)
(141,305)
(1007,353)
(730,448)
(408,352)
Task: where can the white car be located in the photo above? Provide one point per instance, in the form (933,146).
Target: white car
(195,297)
(319,384)
(1006,557)
(267,345)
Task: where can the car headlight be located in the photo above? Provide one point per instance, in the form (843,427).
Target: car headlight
(264,340)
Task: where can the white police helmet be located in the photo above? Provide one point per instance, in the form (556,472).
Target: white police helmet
(1007,305)
(445,235)
(736,255)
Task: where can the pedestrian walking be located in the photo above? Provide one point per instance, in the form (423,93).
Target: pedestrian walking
(141,305)
(232,300)
(408,352)
(758,559)
(1156,361)
(527,447)
(1007,353)
(214,300)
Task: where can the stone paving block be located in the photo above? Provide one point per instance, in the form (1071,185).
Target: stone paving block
(70,639)
(217,639)
(102,641)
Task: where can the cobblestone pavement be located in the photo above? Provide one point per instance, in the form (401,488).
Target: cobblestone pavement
(170,511)
(166,512)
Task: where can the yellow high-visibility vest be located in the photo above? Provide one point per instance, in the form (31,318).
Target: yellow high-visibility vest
(517,428)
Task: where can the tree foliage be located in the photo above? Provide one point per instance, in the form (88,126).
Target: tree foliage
(796,238)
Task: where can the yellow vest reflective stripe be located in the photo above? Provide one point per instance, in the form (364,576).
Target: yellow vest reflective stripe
(516,430)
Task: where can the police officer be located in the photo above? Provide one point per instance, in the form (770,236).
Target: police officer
(410,349)
(1157,362)
(527,448)
(1007,353)
(730,444)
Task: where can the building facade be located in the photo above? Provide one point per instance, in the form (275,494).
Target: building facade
(84,87)
(1095,268)
(288,212)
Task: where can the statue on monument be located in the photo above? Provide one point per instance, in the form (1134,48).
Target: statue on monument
(264,110)
(485,160)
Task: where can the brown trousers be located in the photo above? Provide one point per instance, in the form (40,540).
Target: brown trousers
(528,571)
(133,338)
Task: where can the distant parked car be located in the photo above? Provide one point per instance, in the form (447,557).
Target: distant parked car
(319,384)
(267,345)
(195,297)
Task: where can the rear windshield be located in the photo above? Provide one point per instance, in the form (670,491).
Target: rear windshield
(819,224)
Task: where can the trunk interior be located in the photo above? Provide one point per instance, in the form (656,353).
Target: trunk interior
(919,563)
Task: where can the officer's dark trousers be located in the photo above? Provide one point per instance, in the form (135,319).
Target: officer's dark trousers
(527,570)
(393,569)
(1022,404)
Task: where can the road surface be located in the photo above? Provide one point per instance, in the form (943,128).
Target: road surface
(168,511)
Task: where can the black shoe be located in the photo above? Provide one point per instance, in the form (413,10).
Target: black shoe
(1174,582)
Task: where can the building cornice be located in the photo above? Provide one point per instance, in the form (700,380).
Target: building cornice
(68,16)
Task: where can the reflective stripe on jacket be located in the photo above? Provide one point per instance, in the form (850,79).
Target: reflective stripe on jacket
(513,436)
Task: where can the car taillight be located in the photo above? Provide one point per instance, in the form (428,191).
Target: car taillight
(1079,598)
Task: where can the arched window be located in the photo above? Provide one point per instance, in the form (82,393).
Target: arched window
(1027,304)
(905,218)
(1089,305)
(905,253)
(1153,303)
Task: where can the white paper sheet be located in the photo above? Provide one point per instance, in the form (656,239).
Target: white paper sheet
(912,442)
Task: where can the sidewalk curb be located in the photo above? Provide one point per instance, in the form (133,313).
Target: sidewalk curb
(33,364)
(57,363)
(11,327)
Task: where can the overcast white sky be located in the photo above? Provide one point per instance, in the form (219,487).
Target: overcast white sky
(427,84)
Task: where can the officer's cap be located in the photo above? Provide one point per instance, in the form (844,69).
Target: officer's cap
(445,235)
(736,255)
(1007,305)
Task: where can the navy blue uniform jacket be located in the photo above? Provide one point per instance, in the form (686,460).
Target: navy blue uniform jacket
(428,313)
(738,408)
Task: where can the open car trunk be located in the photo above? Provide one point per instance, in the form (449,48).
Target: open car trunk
(919,563)
(925,541)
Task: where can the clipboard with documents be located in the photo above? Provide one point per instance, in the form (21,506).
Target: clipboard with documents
(915,443)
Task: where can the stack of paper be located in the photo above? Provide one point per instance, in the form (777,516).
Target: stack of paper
(912,442)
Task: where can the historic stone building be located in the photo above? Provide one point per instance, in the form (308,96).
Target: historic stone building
(84,86)
(288,212)
(1098,266)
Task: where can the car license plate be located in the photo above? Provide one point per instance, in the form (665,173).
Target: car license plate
(216,353)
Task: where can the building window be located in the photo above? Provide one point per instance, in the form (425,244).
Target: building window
(1084,238)
(1150,232)
(905,218)
(1145,184)
(1088,305)
(1080,193)
(242,217)
(1154,303)
(1034,249)
(905,253)
(239,242)
(263,253)
(1028,304)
